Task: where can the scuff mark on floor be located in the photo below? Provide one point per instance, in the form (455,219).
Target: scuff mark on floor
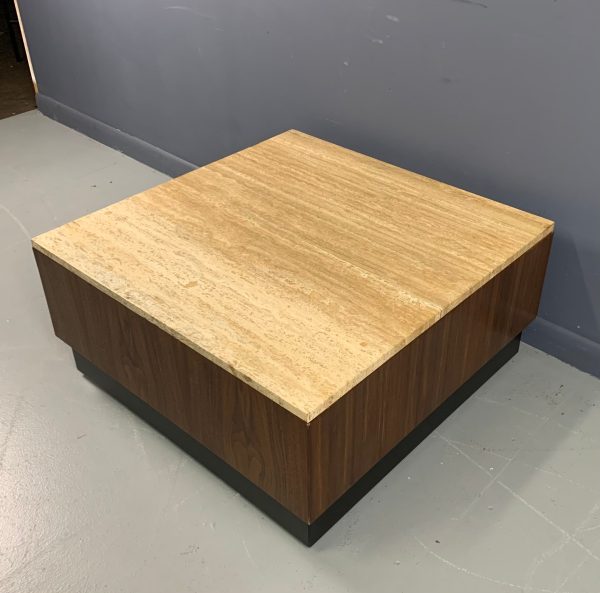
(472,2)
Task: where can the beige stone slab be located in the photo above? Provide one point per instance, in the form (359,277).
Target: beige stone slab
(297,265)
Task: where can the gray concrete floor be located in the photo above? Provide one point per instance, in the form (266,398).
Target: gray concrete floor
(503,497)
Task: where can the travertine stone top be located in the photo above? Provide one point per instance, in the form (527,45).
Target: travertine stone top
(297,265)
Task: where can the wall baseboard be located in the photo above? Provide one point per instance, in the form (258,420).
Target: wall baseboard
(557,341)
(136,148)
(564,344)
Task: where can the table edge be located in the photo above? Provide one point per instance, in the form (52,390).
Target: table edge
(304,414)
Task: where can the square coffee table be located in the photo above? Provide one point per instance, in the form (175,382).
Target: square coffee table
(296,316)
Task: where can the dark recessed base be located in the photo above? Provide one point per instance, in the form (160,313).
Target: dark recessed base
(306,533)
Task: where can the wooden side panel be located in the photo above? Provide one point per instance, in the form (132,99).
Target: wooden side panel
(259,438)
(353,434)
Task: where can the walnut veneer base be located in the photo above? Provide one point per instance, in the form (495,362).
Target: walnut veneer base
(307,533)
(307,474)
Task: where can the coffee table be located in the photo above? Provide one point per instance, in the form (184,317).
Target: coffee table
(296,316)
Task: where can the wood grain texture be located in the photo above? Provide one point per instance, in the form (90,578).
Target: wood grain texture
(352,435)
(296,265)
(260,439)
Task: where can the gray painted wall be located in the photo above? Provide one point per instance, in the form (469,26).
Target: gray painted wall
(500,97)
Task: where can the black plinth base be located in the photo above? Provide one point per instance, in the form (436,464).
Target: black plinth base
(306,533)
